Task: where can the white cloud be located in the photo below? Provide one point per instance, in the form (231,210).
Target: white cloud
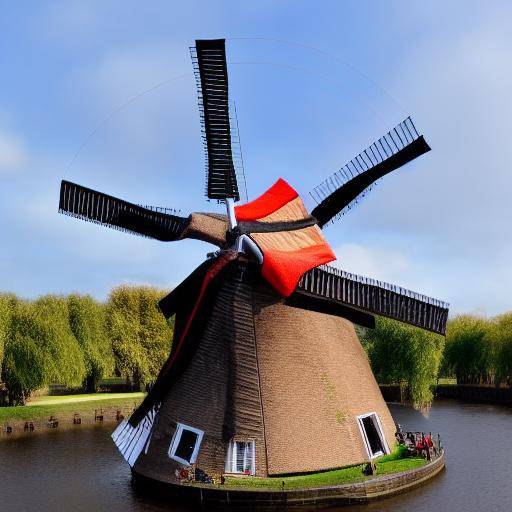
(13,153)
(377,263)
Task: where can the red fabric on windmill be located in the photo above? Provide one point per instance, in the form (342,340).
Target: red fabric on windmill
(287,255)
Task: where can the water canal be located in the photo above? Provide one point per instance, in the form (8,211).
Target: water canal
(80,470)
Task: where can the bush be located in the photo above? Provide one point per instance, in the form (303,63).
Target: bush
(399,452)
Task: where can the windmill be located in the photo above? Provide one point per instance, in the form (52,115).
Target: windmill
(266,375)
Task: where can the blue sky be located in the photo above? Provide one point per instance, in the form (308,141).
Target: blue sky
(314,84)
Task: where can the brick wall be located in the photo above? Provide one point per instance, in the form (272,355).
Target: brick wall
(291,380)
(315,380)
(218,392)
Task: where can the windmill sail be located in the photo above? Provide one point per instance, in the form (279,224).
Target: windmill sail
(395,149)
(376,297)
(132,440)
(210,69)
(93,206)
(247,330)
(312,302)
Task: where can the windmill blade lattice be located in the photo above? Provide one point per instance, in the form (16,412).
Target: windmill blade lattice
(377,297)
(210,69)
(337,193)
(93,206)
(265,294)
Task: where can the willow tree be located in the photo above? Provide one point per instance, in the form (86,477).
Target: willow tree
(7,304)
(41,348)
(21,368)
(87,323)
(406,356)
(139,333)
(5,320)
(499,336)
(469,353)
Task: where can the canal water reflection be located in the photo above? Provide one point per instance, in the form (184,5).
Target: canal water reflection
(80,470)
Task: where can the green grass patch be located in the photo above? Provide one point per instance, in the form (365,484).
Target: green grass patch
(447,380)
(327,478)
(112,380)
(400,452)
(51,400)
(43,409)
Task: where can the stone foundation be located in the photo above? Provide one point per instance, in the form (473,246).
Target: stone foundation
(216,497)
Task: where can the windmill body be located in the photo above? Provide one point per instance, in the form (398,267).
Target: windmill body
(285,383)
(266,375)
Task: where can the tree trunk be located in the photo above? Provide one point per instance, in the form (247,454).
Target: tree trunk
(91,384)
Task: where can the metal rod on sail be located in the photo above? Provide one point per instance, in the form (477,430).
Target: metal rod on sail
(243,243)
(230,207)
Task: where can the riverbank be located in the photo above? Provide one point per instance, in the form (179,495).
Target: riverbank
(298,494)
(350,474)
(57,413)
(82,467)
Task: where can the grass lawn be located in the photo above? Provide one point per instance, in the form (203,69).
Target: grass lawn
(44,407)
(447,380)
(385,465)
(67,399)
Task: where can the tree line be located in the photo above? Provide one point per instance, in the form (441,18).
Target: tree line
(405,356)
(76,340)
(479,350)
(476,350)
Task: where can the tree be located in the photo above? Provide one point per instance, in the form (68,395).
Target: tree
(469,353)
(499,336)
(140,336)
(404,355)
(87,323)
(41,348)
(6,305)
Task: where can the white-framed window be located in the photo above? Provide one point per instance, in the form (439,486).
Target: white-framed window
(372,433)
(185,444)
(241,458)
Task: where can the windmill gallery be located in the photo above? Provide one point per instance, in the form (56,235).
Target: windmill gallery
(263,316)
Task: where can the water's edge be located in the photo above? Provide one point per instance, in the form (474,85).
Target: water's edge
(81,470)
(466,393)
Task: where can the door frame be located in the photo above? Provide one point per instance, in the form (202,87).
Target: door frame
(380,432)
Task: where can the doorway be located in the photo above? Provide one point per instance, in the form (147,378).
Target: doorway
(373,436)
